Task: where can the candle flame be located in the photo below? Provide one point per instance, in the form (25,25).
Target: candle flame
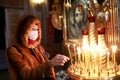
(107,50)
(114,48)
(68,45)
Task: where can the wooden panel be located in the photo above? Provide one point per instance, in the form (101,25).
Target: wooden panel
(12,3)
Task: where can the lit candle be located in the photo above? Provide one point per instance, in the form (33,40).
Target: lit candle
(83,57)
(74,52)
(79,53)
(100,62)
(108,58)
(69,52)
(114,49)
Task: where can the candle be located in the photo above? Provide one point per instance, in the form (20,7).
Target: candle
(74,50)
(69,52)
(79,53)
(108,59)
(114,49)
(100,63)
(83,53)
(98,48)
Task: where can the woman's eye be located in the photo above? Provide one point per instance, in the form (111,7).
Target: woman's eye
(35,29)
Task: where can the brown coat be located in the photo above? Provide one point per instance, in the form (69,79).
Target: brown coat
(24,65)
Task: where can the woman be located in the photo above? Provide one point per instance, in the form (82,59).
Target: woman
(26,58)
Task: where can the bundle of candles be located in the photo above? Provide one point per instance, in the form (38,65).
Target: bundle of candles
(93,61)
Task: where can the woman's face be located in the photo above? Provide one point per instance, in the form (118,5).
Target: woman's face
(33,34)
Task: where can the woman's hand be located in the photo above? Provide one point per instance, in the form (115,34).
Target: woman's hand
(59,60)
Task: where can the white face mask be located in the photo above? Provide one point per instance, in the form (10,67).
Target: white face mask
(33,35)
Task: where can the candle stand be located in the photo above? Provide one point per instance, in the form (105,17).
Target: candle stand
(93,57)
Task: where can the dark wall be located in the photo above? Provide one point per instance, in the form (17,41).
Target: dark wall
(2,28)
